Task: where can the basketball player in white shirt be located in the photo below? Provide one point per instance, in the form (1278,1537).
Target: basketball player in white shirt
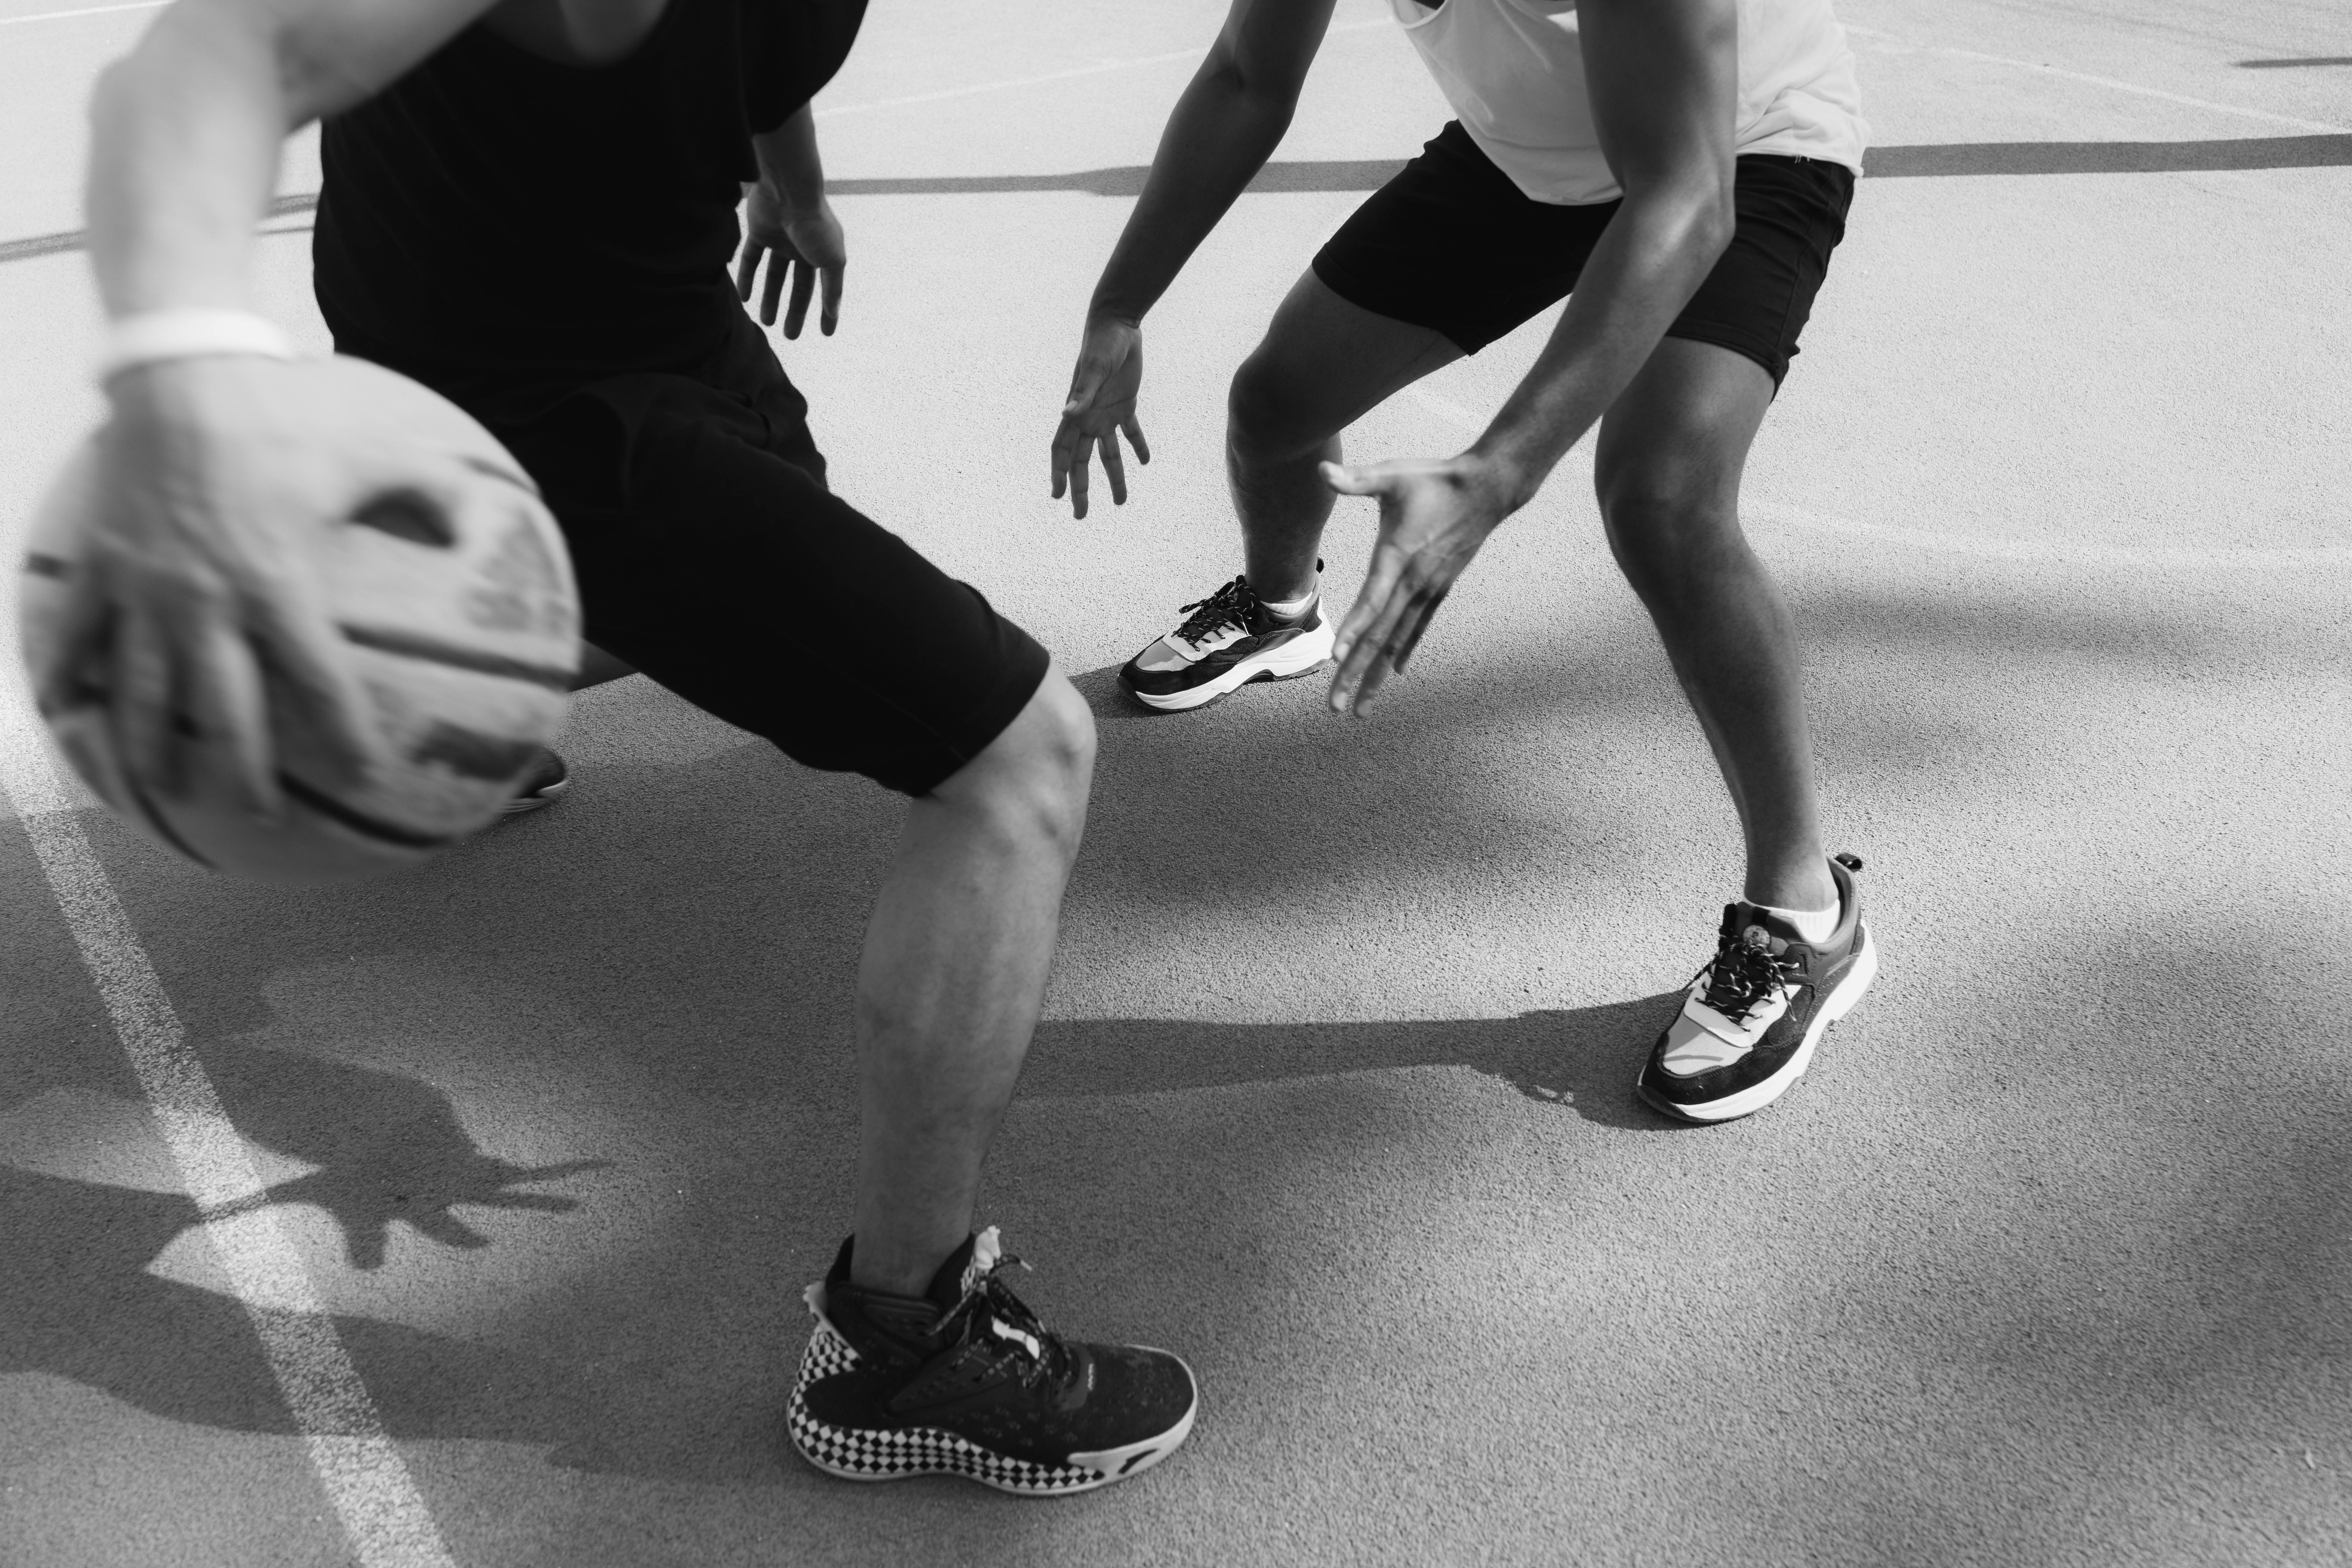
(1684,167)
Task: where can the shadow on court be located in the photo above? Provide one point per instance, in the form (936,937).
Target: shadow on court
(1584,1059)
(1354,174)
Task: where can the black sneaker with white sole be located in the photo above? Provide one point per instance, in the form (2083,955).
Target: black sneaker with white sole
(1755,1012)
(964,1380)
(549,778)
(1223,642)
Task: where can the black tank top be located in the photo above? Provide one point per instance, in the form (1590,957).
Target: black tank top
(493,218)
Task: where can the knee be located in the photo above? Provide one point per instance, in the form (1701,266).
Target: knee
(1667,533)
(1032,783)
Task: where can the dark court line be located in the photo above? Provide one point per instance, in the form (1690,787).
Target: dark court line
(74,239)
(1931,160)
(2290,64)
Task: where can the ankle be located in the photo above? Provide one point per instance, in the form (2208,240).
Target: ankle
(1285,594)
(1808,891)
(886,1264)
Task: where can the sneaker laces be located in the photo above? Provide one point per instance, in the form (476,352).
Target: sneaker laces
(993,1319)
(1744,975)
(1228,607)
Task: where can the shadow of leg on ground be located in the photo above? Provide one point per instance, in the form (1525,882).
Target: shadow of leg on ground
(1585,1059)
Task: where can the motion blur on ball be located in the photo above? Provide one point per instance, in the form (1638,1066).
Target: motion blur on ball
(458,611)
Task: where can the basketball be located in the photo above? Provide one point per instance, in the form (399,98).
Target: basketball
(457,610)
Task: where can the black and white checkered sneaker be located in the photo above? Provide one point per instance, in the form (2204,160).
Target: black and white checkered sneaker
(965,1381)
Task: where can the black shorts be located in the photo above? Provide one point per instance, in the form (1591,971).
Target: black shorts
(1451,244)
(710,555)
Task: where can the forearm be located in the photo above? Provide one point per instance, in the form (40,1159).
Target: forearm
(1647,266)
(788,164)
(1220,136)
(185,135)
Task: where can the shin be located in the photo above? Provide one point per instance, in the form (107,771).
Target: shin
(953,974)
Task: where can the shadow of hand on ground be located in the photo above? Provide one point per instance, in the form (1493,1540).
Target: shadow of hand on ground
(82,1297)
(389,1150)
(1585,1059)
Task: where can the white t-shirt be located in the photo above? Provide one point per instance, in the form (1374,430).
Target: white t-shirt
(1513,71)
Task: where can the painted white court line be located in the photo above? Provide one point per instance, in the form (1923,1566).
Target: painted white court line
(2107,81)
(1984,547)
(1099,69)
(357,1463)
(1976,546)
(85,11)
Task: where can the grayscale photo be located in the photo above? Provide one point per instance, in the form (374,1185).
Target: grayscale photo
(1646,864)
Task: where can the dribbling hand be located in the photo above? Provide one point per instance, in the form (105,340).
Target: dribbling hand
(1435,515)
(198,611)
(1100,407)
(808,243)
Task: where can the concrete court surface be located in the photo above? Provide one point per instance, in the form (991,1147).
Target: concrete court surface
(2045,1263)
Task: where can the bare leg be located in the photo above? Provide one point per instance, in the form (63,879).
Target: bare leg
(953,975)
(1323,363)
(1668,467)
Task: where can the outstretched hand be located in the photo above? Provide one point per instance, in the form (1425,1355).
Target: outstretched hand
(1434,514)
(1101,407)
(807,242)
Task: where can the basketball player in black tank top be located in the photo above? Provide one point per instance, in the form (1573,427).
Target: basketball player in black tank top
(531,208)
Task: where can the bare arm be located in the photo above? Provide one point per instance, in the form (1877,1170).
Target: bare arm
(789,161)
(198,611)
(1664,77)
(186,130)
(1225,126)
(788,220)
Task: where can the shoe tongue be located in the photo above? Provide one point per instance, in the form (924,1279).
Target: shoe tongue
(964,1269)
(1759,927)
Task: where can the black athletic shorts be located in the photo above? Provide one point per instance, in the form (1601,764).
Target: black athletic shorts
(1453,244)
(711,555)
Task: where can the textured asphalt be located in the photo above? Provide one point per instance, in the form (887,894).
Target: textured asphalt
(2045,1262)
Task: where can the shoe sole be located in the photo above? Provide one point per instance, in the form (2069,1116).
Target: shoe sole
(1092,1471)
(547,794)
(1757,1096)
(904,1453)
(1247,672)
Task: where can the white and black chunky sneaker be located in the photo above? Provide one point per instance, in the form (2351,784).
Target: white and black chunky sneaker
(1756,1011)
(964,1380)
(1225,641)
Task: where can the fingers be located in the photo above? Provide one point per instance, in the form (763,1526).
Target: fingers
(1114,467)
(1080,456)
(1358,481)
(75,674)
(230,715)
(1363,635)
(747,270)
(139,686)
(1425,610)
(829,316)
(779,263)
(1134,438)
(803,286)
(1064,434)
(306,653)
